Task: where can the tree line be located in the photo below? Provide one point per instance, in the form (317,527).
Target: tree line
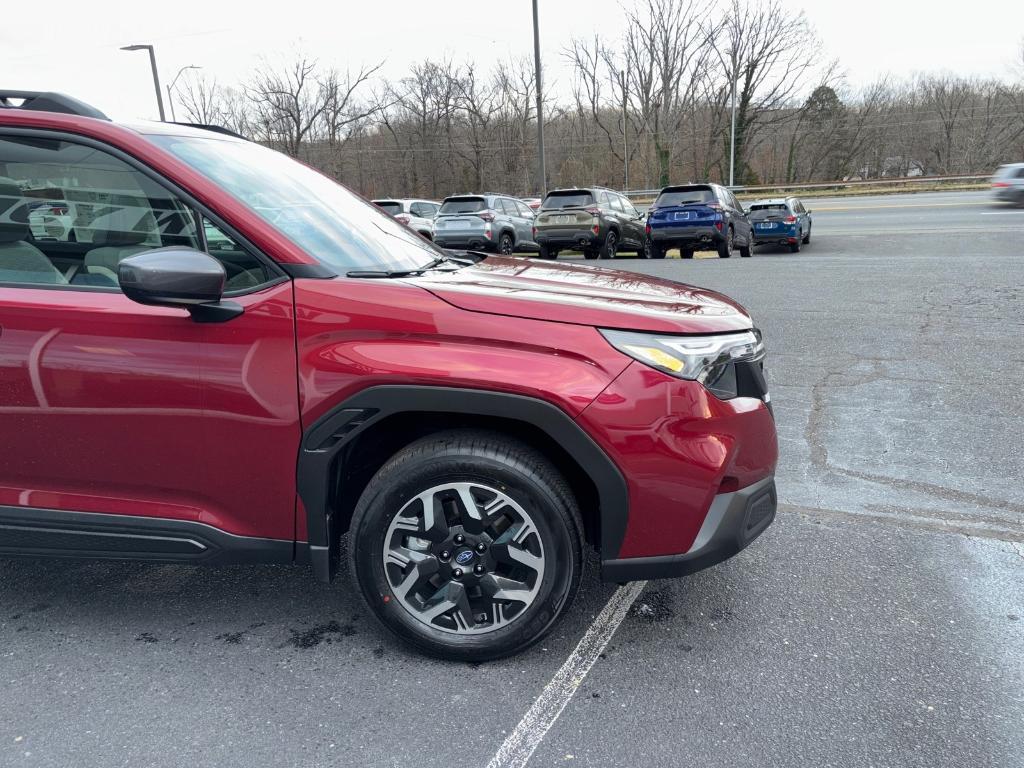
(655,102)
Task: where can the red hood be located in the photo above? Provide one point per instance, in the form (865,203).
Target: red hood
(568,293)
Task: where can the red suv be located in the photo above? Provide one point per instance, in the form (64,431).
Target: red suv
(230,358)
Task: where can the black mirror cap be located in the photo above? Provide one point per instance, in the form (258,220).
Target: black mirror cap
(172,277)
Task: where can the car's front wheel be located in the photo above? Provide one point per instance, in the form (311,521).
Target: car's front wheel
(506,245)
(467,545)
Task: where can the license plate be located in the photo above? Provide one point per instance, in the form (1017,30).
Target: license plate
(770,225)
(563,219)
(682,215)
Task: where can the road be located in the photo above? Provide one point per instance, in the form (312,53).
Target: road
(877,622)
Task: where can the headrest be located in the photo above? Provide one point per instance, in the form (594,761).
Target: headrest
(13,212)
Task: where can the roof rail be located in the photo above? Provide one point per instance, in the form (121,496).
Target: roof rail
(214,128)
(48,101)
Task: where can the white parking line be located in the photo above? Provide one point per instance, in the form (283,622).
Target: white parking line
(521,743)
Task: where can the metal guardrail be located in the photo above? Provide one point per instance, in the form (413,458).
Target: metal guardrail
(891,181)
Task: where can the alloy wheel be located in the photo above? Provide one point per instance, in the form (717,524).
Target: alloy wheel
(464,558)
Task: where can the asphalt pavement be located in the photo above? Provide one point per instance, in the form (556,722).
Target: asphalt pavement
(878,622)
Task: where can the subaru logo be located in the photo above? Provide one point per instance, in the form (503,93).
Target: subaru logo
(464,556)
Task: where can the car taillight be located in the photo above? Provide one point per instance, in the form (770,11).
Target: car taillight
(58,210)
(790,219)
(403,218)
(593,211)
(535,232)
(596,229)
(1000,184)
(647,228)
(718,225)
(486,215)
(714,206)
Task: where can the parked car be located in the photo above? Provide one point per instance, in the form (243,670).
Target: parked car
(486,222)
(533,202)
(52,219)
(596,221)
(470,421)
(698,217)
(783,221)
(418,215)
(1008,183)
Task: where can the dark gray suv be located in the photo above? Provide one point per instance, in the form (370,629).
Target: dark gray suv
(486,222)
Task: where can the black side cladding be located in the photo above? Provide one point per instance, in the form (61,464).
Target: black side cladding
(331,433)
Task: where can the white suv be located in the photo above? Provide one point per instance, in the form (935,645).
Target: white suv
(1008,183)
(418,215)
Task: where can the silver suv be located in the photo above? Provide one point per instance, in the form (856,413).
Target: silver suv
(485,222)
(417,215)
(1008,183)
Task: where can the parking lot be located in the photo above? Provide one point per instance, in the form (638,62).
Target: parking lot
(879,621)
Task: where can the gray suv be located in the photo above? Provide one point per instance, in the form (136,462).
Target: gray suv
(486,222)
(1008,183)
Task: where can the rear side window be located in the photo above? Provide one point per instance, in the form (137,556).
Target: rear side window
(389,206)
(685,196)
(1020,173)
(463,205)
(573,198)
(616,203)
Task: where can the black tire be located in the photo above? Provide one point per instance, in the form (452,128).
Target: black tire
(655,250)
(795,247)
(610,247)
(685,253)
(745,251)
(506,245)
(807,237)
(725,248)
(590,253)
(548,253)
(478,458)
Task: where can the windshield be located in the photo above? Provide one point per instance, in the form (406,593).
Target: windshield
(685,197)
(326,220)
(389,207)
(571,199)
(463,205)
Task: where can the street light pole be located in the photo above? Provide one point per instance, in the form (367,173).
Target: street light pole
(540,104)
(156,76)
(170,96)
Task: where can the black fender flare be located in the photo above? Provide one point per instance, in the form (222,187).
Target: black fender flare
(326,437)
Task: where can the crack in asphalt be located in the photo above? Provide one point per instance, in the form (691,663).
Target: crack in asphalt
(932,524)
(814,434)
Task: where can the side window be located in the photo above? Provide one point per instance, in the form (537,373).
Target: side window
(244,271)
(70,213)
(628,207)
(524,210)
(733,202)
(616,203)
(602,197)
(423,210)
(1020,173)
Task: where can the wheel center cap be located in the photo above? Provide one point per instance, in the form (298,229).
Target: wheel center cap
(464,556)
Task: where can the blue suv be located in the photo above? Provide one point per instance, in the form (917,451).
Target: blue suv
(784,221)
(697,217)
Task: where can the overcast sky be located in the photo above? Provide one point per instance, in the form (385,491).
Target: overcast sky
(73,47)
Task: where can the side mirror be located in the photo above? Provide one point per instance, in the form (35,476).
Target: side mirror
(178,277)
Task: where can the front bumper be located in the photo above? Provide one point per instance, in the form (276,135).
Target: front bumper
(733,521)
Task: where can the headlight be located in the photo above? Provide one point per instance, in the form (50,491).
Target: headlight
(711,360)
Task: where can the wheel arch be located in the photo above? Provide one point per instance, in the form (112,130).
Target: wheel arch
(343,449)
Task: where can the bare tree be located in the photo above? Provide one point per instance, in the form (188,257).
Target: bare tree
(770,53)
(288,103)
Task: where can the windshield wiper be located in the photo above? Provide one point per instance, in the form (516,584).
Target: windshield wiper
(383,273)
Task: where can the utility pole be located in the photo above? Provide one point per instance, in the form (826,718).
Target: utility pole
(542,170)
(732,141)
(156,76)
(625,138)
